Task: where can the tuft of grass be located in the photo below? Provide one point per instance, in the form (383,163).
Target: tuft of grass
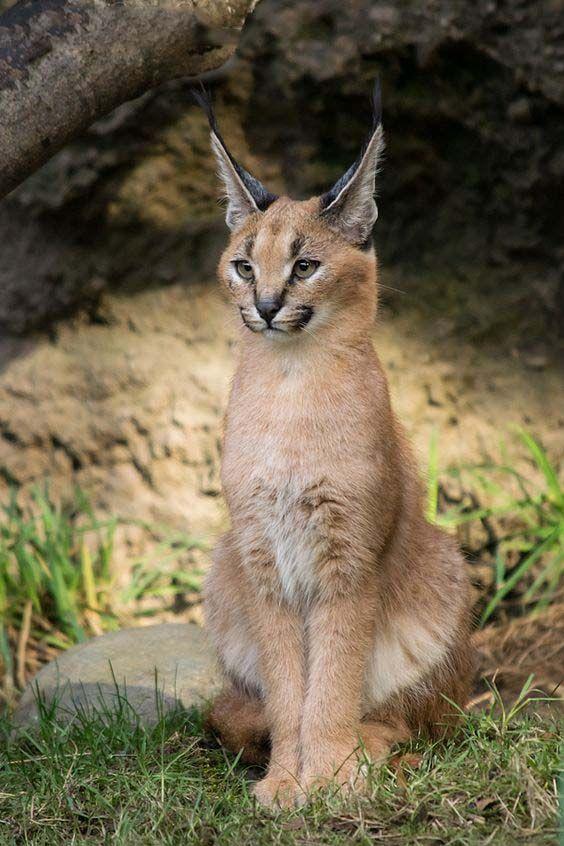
(529,556)
(433,478)
(54,573)
(57,579)
(153,576)
(106,779)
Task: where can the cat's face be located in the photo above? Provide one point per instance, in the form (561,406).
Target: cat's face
(288,272)
(290,266)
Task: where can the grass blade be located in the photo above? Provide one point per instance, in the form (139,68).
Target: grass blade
(516,575)
(433,478)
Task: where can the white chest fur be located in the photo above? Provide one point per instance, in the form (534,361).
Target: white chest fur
(295,543)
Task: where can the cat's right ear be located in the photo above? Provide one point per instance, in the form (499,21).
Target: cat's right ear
(245,195)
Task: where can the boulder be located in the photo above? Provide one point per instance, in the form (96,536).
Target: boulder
(153,669)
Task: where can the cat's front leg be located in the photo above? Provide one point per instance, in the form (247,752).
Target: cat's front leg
(340,635)
(279,634)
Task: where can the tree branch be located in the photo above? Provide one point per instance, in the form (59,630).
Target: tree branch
(65,63)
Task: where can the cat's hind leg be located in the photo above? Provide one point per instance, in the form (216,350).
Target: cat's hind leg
(237,715)
(377,737)
(238,720)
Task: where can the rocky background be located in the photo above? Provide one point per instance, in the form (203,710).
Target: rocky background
(115,348)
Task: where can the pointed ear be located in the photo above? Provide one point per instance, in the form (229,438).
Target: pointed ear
(244,193)
(349,206)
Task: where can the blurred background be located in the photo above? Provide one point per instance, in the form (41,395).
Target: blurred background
(116,349)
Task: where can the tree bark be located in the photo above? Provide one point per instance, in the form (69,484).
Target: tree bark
(65,63)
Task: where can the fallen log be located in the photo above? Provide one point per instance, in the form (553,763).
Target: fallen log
(65,63)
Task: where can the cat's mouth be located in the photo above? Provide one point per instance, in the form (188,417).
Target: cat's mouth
(283,325)
(294,322)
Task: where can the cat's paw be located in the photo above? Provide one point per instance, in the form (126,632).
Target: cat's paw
(276,791)
(341,770)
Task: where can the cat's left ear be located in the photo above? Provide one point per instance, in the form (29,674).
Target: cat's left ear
(349,206)
(245,194)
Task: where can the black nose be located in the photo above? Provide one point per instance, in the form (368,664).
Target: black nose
(269,308)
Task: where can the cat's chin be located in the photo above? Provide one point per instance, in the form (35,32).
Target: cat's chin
(278,334)
(290,328)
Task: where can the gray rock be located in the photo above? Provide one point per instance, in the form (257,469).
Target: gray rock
(154,669)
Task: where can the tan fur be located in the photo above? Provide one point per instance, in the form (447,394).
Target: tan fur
(339,614)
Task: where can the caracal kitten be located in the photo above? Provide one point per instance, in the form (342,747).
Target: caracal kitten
(339,615)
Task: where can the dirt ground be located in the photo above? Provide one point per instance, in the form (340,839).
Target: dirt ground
(128,404)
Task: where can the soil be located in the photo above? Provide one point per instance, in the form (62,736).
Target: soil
(127,404)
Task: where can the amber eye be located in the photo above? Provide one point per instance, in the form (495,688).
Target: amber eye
(245,270)
(304,268)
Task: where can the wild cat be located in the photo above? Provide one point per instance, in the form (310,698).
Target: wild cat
(339,615)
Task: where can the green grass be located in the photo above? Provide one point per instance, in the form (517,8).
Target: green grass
(54,573)
(528,555)
(107,780)
(57,577)
(153,576)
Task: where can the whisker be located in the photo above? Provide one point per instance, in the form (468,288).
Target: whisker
(396,290)
(311,334)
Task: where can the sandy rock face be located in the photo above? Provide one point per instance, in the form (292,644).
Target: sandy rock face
(127,409)
(165,666)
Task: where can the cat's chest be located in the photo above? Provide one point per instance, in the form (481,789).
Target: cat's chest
(296,541)
(268,476)
(283,458)
(285,437)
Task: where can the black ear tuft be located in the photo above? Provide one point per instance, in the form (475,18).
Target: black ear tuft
(376,105)
(203,98)
(258,195)
(376,99)
(349,206)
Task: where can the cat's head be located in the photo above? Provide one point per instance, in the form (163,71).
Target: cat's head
(291,266)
